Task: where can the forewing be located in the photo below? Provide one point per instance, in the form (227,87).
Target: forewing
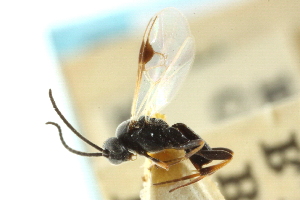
(166,55)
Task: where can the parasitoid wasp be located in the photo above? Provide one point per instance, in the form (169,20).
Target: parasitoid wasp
(166,55)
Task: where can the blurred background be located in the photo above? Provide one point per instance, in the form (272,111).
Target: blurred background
(244,84)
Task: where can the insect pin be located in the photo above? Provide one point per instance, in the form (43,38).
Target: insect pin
(166,55)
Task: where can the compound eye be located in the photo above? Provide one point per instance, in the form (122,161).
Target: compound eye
(122,128)
(113,146)
(117,152)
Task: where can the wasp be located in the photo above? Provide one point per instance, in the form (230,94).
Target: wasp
(165,58)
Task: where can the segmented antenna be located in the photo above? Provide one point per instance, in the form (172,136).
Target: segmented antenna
(103,152)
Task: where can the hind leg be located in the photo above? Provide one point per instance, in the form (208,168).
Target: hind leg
(192,147)
(195,145)
(203,171)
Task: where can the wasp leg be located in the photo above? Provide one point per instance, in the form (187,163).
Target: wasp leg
(191,182)
(214,154)
(212,169)
(218,153)
(158,162)
(192,147)
(179,179)
(223,149)
(191,144)
(199,143)
(197,177)
(203,172)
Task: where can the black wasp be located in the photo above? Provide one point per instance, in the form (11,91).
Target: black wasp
(166,55)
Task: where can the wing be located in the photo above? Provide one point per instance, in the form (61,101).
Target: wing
(166,55)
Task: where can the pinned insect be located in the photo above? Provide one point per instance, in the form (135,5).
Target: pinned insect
(166,55)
